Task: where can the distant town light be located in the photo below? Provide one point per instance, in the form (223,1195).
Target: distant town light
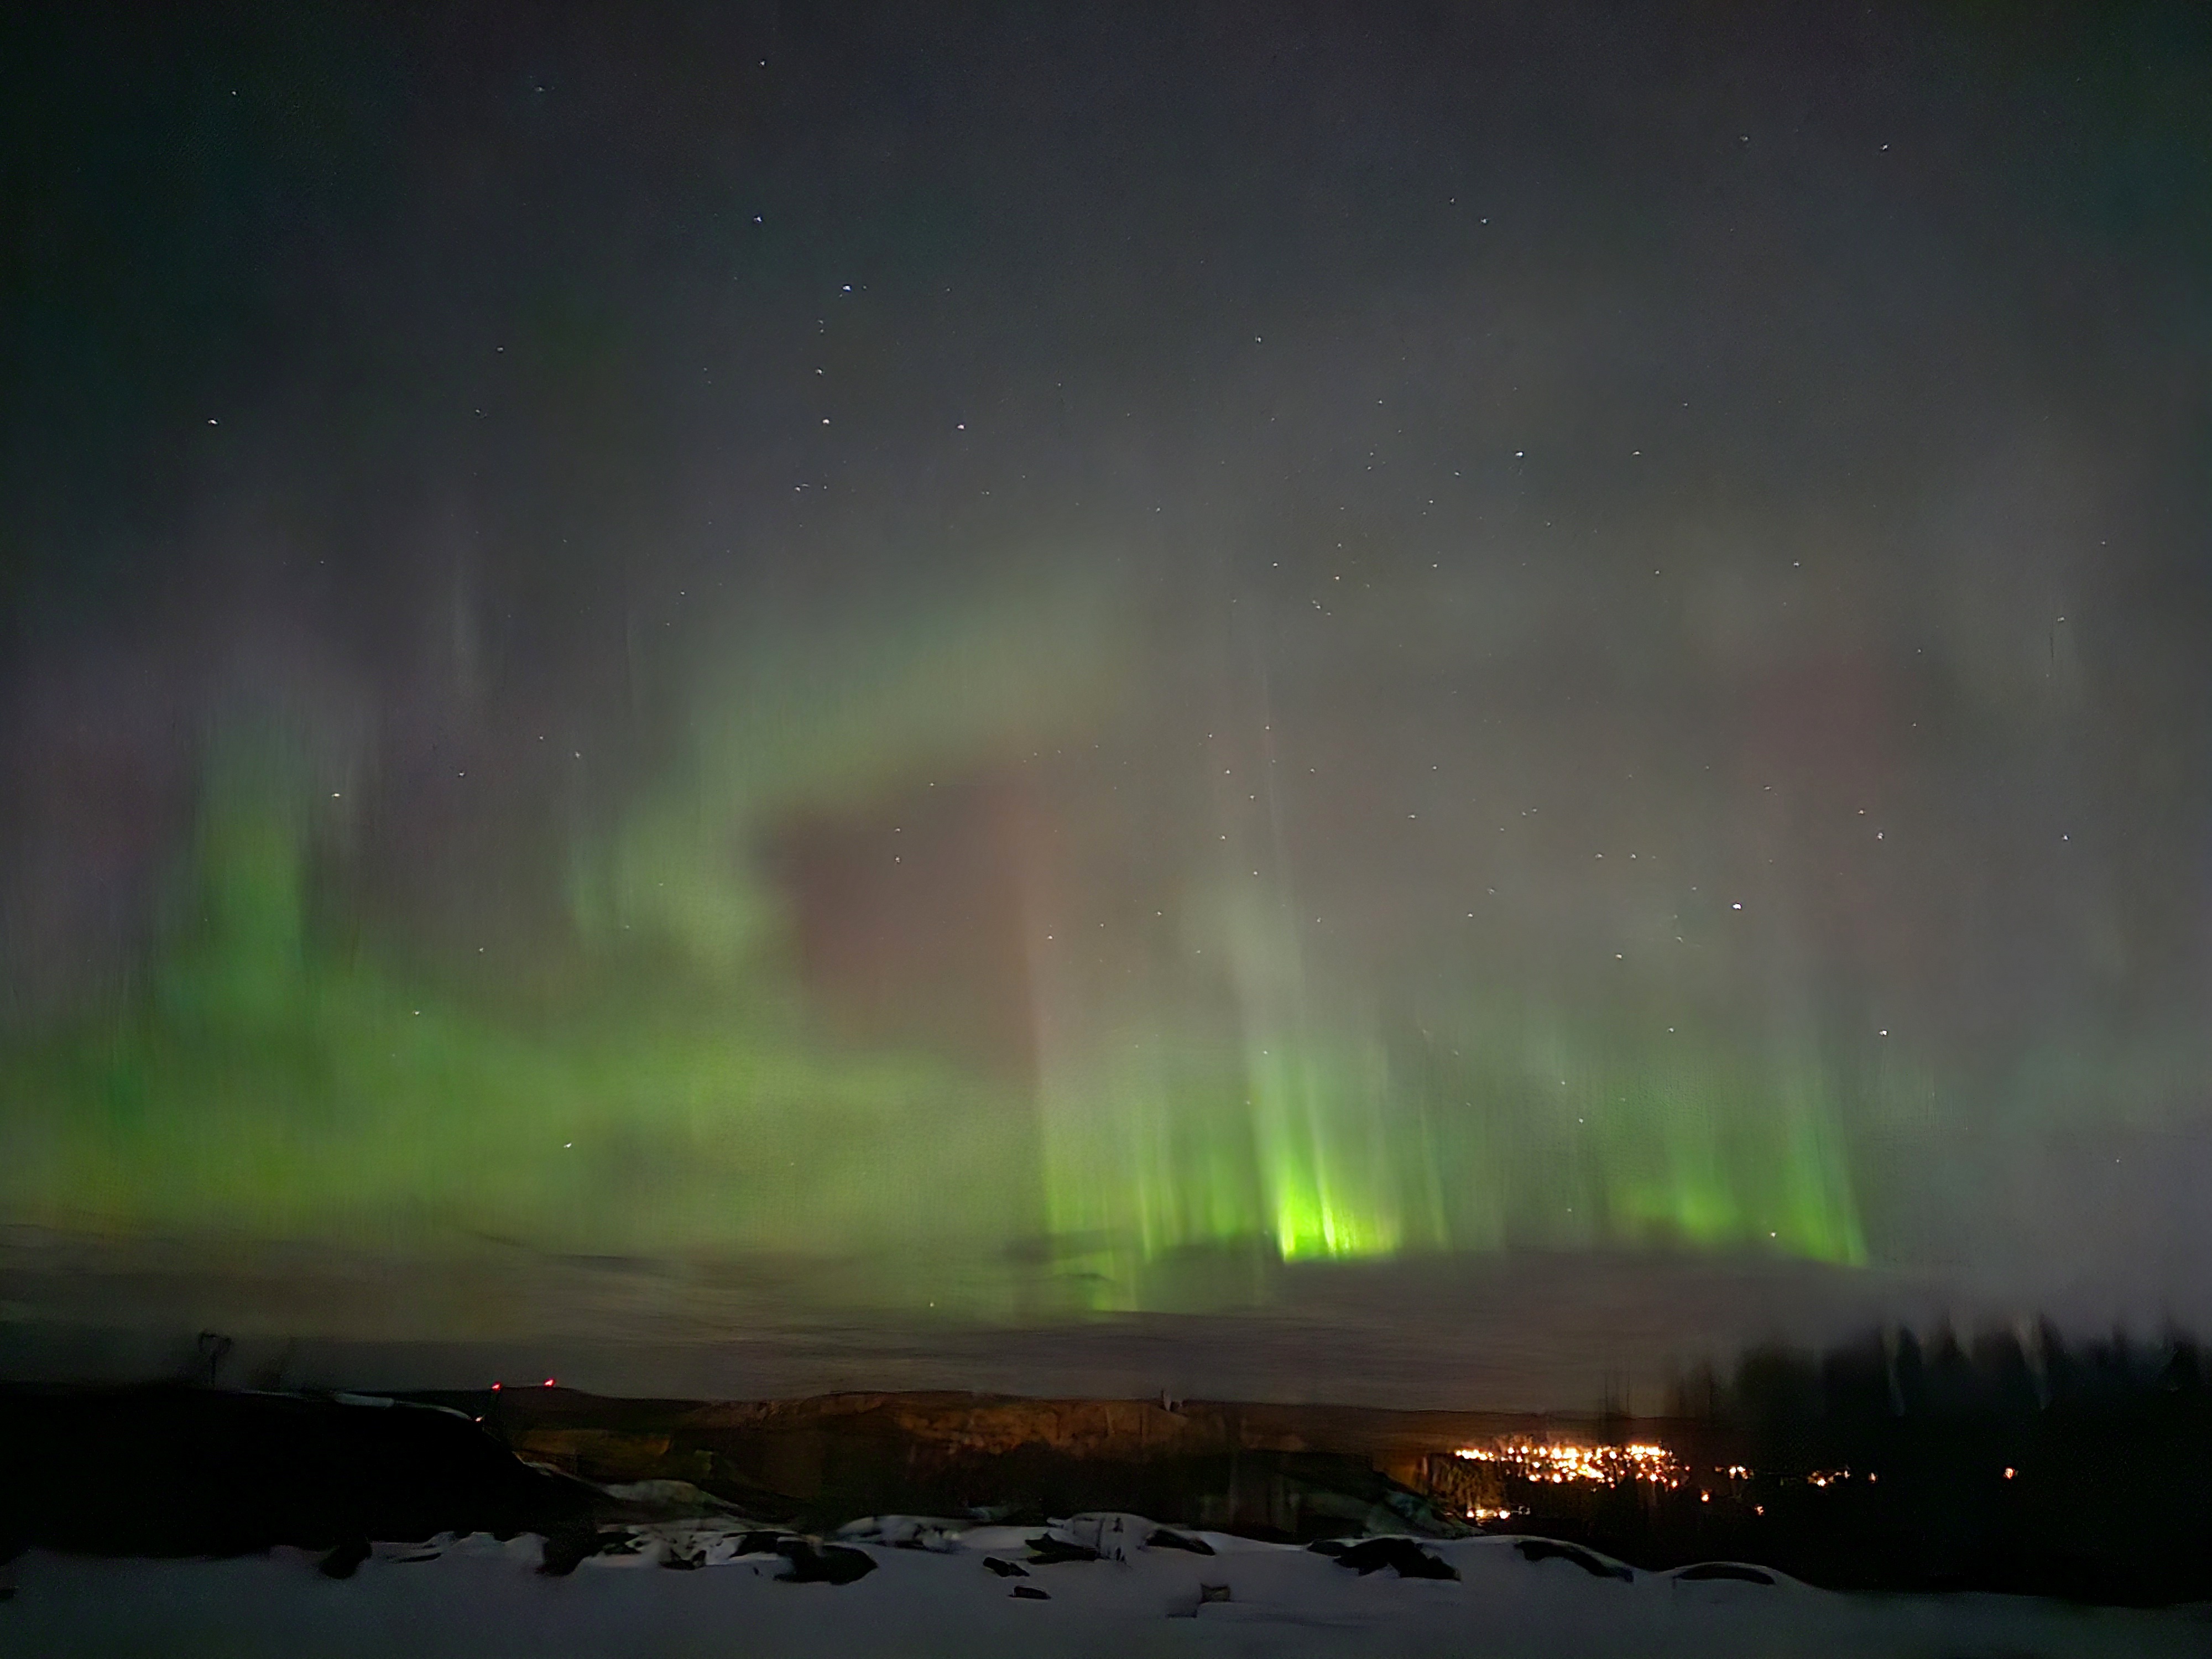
(1557,1463)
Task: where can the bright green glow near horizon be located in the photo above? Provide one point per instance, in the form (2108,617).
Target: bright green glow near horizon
(1325,1154)
(1325,1143)
(1322,1141)
(270,1085)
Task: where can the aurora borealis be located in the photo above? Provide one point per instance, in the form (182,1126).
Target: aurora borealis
(1070,658)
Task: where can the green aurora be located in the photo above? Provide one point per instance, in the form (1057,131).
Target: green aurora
(273,1076)
(790,668)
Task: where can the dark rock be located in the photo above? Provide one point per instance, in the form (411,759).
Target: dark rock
(828,1563)
(342,1562)
(1050,1550)
(1735,1570)
(1550,1549)
(214,1348)
(1031,1592)
(1162,1539)
(1005,1569)
(1213,1592)
(1402,1555)
(565,1549)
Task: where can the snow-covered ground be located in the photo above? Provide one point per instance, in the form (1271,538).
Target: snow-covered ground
(480,1599)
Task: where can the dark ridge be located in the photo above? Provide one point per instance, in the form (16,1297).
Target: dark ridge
(1283,1473)
(175,1471)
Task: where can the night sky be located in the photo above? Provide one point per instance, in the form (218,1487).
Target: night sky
(1025,663)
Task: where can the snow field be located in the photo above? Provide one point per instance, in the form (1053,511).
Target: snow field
(477,1598)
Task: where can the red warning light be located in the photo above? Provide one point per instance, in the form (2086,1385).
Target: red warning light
(495,1387)
(548,1381)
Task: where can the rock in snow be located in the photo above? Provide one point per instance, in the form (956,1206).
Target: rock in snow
(780,1595)
(1598,1566)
